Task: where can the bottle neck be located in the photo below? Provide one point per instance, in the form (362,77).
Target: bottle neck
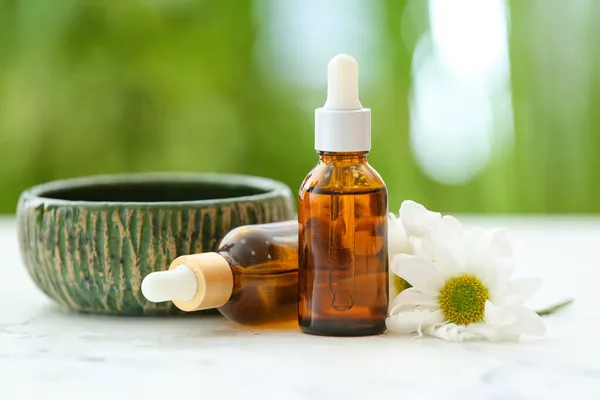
(349,158)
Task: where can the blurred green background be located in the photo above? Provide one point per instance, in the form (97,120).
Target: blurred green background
(478,105)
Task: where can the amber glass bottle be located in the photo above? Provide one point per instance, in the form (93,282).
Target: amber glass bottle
(343,277)
(252,279)
(342,216)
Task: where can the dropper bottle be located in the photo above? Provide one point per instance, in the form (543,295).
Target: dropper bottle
(342,216)
(252,279)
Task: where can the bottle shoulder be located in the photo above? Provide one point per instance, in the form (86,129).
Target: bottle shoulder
(334,178)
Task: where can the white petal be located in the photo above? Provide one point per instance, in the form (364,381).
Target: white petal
(500,245)
(505,299)
(420,273)
(448,332)
(483,247)
(458,333)
(492,313)
(449,233)
(417,220)
(497,275)
(397,240)
(411,298)
(448,246)
(529,322)
(413,321)
(476,250)
(467,335)
(421,247)
(395,325)
(482,330)
(524,288)
(499,316)
(447,263)
(508,334)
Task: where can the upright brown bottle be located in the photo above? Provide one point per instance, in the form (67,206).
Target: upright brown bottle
(342,215)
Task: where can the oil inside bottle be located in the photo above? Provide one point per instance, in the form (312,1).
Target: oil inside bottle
(344,279)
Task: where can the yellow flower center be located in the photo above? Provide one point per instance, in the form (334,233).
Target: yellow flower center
(462,299)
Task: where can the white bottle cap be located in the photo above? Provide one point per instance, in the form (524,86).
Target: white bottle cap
(175,284)
(193,282)
(342,125)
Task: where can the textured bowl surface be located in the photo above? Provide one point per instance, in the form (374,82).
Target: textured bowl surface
(88,242)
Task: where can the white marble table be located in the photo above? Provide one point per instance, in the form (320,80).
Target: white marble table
(49,353)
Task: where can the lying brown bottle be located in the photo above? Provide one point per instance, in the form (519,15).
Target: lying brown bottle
(252,279)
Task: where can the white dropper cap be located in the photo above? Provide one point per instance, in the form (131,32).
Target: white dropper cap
(176,284)
(193,282)
(342,125)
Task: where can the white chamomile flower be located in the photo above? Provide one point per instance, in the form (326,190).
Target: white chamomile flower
(462,287)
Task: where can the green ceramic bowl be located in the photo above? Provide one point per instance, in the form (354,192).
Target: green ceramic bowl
(88,242)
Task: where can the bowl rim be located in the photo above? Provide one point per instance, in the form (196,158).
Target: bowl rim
(272,188)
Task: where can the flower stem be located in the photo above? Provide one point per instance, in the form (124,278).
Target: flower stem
(555,307)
